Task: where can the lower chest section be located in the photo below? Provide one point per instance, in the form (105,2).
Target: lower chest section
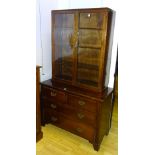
(73,113)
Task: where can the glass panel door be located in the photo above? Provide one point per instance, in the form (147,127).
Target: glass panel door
(89,48)
(63,45)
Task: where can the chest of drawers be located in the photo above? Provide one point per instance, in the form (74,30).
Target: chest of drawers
(85,114)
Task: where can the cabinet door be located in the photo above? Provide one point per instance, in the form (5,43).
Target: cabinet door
(89,48)
(63,45)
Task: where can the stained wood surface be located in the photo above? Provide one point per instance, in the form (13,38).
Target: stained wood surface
(57,141)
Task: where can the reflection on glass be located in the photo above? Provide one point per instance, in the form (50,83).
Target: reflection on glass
(63,31)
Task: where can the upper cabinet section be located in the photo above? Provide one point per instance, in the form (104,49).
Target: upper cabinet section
(80,47)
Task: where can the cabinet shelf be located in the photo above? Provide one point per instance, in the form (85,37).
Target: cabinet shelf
(88,82)
(88,66)
(80,65)
(89,28)
(90,46)
(66,62)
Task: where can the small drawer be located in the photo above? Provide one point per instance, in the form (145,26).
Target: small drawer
(77,128)
(91,20)
(82,103)
(54,94)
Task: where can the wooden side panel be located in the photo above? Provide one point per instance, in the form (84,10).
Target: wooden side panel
(39,133)
(104,119)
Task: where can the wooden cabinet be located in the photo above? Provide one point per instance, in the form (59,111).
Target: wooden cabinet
(39,133)
(77,98)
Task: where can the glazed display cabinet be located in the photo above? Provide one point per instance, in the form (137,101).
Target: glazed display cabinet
(81,55)
(80,43)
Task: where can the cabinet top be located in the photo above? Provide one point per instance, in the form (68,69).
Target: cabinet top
(37,66)
(72,90)
(84,10)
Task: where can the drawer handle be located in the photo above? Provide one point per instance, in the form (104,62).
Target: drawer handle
(54,119)
(80,116)
(53,94)
(79,130)
(81,103)
(53,106)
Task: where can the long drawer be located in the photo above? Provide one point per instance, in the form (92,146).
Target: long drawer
(75,127)
(71,113)
(79,115)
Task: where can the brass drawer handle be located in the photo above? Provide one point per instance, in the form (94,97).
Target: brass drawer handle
(53,106)
(53,93)
(54,119)
(79,130)
(80,116)
(81,103)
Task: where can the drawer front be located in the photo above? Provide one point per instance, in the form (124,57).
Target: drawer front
(71,113)
(82,103)
(91,20)
(51,116)
(50,104)
(54,94)
(80,129)
(79,115)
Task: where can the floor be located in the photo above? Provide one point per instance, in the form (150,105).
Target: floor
(57,141)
